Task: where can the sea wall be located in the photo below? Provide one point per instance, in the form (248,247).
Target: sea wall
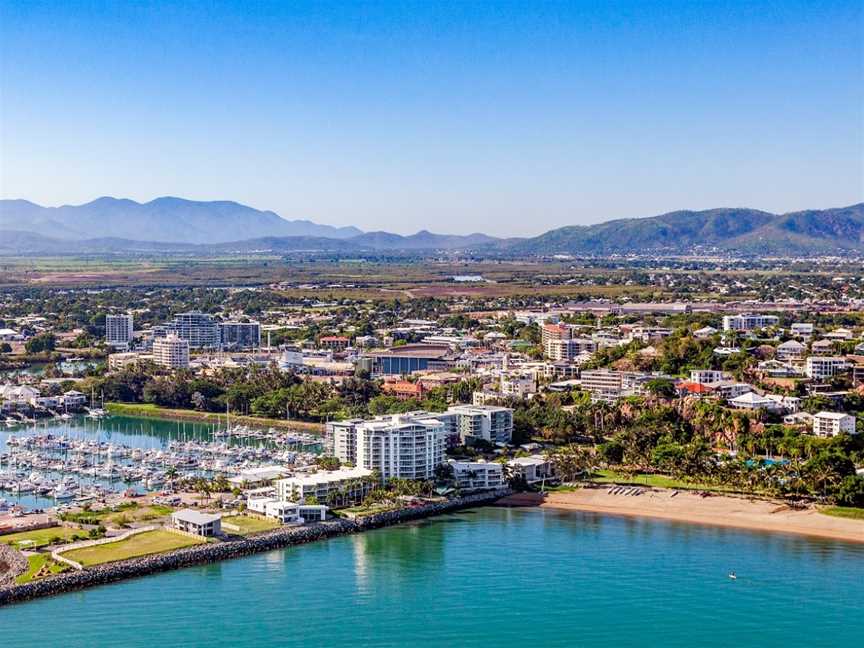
(232,548)
(12,563)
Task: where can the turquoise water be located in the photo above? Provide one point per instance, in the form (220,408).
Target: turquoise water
(483,578)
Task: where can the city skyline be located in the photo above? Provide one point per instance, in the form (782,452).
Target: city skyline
(507,118)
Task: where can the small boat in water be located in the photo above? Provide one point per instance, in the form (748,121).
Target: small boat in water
(732,576)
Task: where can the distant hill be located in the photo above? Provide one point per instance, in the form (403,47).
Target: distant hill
(111,225)
(172,220)
(745,231)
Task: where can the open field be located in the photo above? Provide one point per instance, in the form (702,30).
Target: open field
(249,524)
(142,544)
(120,515)
(40,537)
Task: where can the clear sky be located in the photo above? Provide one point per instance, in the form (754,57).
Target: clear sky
(504,117)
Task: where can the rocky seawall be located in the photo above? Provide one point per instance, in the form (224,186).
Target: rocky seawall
(232,548)
(12,563)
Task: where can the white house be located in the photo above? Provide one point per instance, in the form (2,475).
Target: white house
(197,523)
(533,469)
(824,367)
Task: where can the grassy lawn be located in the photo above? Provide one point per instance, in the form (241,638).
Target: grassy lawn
(657,481)
(848,512)
(363,511)
(157,411)
(36,562)
(121,515)
(143,544)
(249,524)
(40,537)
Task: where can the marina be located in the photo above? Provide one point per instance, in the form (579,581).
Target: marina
(71,459)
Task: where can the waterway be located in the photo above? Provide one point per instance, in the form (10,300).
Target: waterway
(487,577)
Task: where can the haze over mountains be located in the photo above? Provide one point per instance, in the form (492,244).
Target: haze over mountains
(111,225)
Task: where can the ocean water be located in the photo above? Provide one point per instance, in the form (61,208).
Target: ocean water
(486,577)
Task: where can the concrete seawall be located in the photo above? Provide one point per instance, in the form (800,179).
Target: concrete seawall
(235,548)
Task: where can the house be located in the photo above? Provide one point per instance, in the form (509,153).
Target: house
(197,523)
(533,469)
(802,330)
(73,399)
(789,350)
(334,342)
(706,376)
(287,512)
(829,424)
(768,402)
(822,347)
(705,332)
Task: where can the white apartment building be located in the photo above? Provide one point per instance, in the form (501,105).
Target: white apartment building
(171,351)
(477,475)
(569,349)
(825,367)
(403,445)
(287,512)
(488,422)
(606,385)
(706,376)
(829,424)
(748,322)
(354,483)
(518,386)
(118,331)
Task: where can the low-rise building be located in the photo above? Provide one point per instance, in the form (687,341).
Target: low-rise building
(829,424)
(197,523)
(825,367)
(534,469)
(351,484)
(749,322)
(477,475)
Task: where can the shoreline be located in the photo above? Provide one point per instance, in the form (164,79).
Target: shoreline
(237,547)
(143,411)
(690,508)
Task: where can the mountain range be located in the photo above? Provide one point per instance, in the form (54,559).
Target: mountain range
(166,225)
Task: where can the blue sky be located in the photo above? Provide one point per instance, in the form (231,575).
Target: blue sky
(504,117)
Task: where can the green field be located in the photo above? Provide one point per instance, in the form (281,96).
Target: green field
(36,562)
(143,544)
(249,524)
(120,515)
(657,481)
(40,537)
(848,512)
(156,411)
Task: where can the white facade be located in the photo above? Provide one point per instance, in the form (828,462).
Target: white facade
(824,367)
(488,422)
(197,523)
(118,331)
(354,483)
(533,469)
(748,322)
(403,446)
(477,475)
(829,424)
(171,351)
(706,376)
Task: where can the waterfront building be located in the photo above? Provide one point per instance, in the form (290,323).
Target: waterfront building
(534,469)
(351,484)
(407,446)
(477,475)
(829,424)
(239,335)
(118,331)
(171,351)
(197,523)
(286,512)
(749,322)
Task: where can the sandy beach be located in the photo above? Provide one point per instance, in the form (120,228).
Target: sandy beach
(719,510)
